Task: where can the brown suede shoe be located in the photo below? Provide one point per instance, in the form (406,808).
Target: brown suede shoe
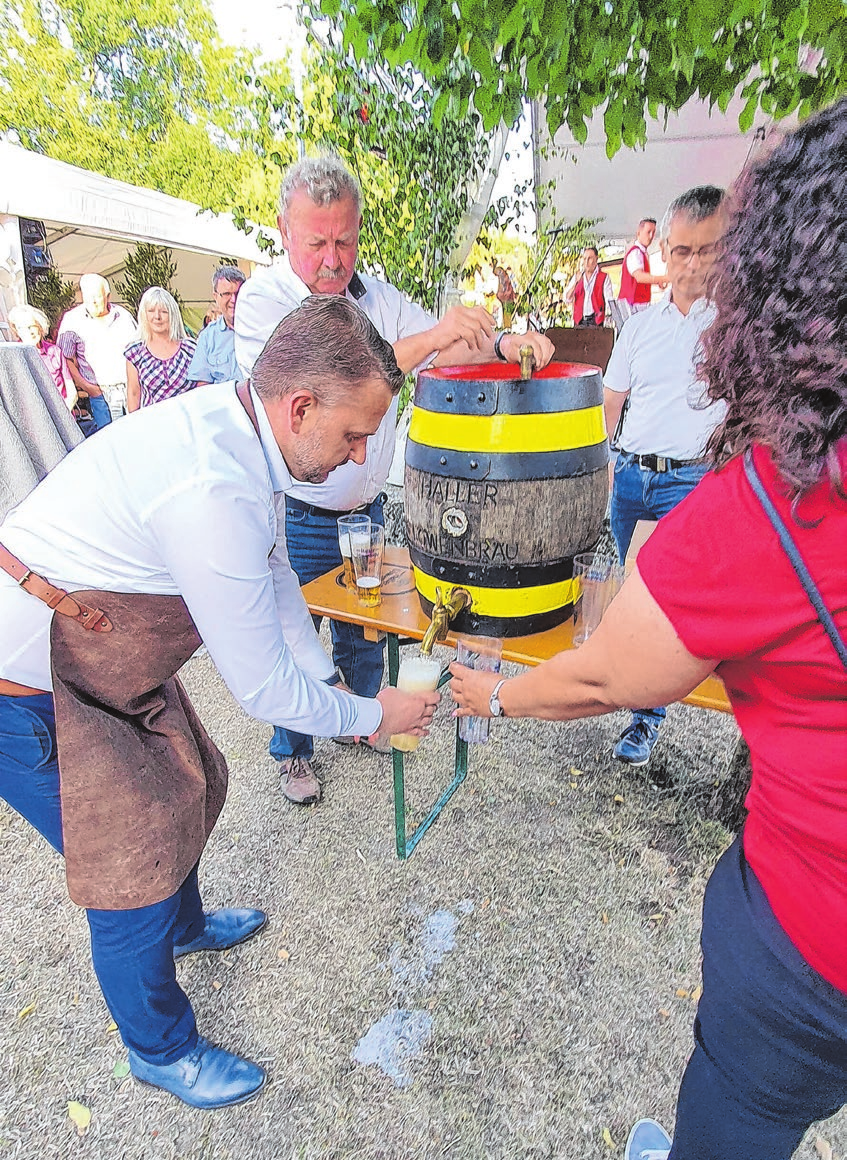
(299,782)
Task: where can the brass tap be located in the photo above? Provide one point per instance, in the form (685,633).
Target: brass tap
(527,361)
(443,615)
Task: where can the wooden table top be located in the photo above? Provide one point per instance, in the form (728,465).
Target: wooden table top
(401,613)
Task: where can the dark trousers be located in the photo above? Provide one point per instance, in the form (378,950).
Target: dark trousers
(312,542)
(771,1034)
(132,950)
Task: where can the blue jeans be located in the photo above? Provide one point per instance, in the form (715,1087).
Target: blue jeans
(100,412)
(641,494)
(313,549)
(770,1052)
(132,950)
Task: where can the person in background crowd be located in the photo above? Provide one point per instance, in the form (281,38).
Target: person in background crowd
(715,590)
(319,222)
(506,295)
(636,279)
(666,427)
(32,327)
(93,338)
(167,557)
(590,291)
(214,355)
(157,366)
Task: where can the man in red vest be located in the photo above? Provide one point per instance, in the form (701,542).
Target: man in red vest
(589,291)
(636,279)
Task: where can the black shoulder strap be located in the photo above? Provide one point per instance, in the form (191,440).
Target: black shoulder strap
(793,554)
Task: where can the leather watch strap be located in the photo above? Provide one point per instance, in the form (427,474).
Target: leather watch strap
(55,598)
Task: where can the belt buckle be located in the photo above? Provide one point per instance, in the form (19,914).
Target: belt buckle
(25,577)
(661,463)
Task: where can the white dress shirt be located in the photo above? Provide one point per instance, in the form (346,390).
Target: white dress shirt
(98,344)
(263,301)
(655,360)
(185,505)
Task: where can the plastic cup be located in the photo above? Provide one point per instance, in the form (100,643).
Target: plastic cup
(348,526)
(598,579)
(482,653)
(417,675)
(367,548)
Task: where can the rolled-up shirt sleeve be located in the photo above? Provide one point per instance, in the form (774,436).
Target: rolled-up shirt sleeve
(199,370)
(216,540)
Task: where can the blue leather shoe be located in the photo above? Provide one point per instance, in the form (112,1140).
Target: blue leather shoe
(647,1141)
(208,1077)
(224,928)
(636,742)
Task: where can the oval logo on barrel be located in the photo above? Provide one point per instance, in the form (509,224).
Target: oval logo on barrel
(454,522)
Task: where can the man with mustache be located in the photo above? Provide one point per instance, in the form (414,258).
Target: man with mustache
(319,222)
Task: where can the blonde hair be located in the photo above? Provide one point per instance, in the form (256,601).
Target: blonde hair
(20,317)
(156,296)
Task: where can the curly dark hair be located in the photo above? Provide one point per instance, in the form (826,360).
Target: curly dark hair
(777,351)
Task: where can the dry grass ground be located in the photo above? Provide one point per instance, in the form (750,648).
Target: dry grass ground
(547,926)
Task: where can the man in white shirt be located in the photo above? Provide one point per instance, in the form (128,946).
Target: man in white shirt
(93,337)
(319,222)
(667,423)
(181,519)
(589,291)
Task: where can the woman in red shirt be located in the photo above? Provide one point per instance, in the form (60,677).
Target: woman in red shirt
(714,590)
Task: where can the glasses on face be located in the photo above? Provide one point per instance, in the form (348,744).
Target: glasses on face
(686,253)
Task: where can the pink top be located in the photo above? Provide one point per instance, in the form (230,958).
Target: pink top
(57,365)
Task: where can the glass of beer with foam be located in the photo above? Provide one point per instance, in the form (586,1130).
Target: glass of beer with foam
(418,674)
(367,548)
(348,528)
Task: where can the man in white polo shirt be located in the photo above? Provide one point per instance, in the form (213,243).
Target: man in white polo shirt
(319,222)
(667,424)
(93,337)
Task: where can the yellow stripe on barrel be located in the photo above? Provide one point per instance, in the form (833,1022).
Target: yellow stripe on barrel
(503,602)
(556,431)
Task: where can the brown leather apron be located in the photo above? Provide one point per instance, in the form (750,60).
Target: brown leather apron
(142,784)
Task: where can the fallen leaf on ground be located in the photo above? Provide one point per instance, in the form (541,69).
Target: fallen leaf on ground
(696,993)
(656,918)
(665,1014)
(607,1139)
(216,986)
(283,954)
(80,1115)
(619,799)
(28,1010)
(604,918)
(681,993)
(112,1026)
(120,1070)
(576,772)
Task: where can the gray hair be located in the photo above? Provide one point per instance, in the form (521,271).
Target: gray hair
(156,296)
(20,317)
(325,179)
(93,282)
(328,346)
(697,204)
(228,274)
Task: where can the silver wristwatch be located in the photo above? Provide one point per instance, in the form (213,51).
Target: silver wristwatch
(494,700)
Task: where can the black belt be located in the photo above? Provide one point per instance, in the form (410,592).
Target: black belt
(662,463)
(326,513)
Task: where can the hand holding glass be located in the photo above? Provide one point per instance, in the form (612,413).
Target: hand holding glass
(482,654)
(417,675)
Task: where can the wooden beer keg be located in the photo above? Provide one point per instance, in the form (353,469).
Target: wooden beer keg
(506,481)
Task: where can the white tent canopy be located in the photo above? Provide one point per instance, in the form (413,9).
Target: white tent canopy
(93,221)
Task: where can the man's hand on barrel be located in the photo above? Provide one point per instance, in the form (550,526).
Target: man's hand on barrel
(406,712)
(471,690)
(472,325)
(542,347)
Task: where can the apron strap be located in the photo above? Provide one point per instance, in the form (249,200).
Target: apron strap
(53,597)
